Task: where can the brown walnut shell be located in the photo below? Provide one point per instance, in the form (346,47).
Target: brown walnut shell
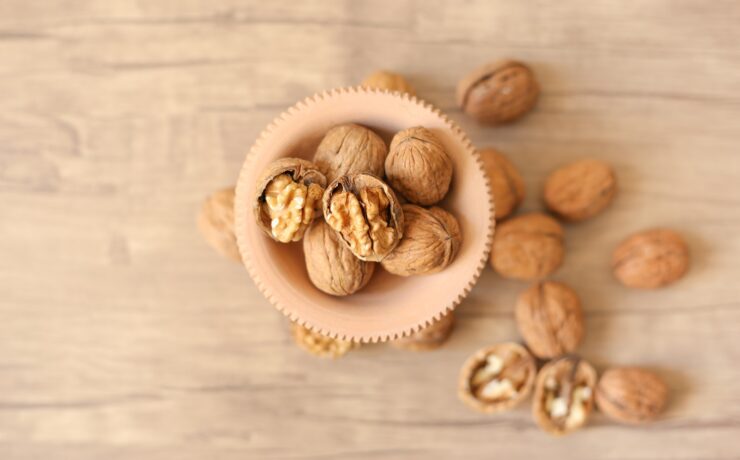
(300,173)
(418,167)
(216,223)
(564,395)
(651,259)
(528,247)
(580,190)
(349,149)
(429,338)
(497,378)
(366,215)
(318,344)
(331,266)
(498,92)
(631,395)
(431,240)
(383,79)
(550,319)
(507,184)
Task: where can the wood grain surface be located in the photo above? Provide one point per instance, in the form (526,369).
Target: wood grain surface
(123,336)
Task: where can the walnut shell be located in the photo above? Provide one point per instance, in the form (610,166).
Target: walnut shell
(383,79)
(349,149)
(506,182)
(431,240)
(528,247)
(498,92)
(318,344)
(418,167)
(631,395)
(366,215)
(550,319)
(429,338)
(497,378)
(287,196)
(216,223)
(580,190)
(564,395)
(331,266)
(651,259)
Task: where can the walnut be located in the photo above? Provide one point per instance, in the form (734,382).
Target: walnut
(498,92)
(429,338)
(331,265)
(418,166)
(287,198)
(550,319)
(216,223)
(507,184)
(318,344)
(431,240)
(563,395)
(383,79)
(651,259)
(631,394)
(497,378)
(366,214)
(580,190)
(349,149)
(527,247)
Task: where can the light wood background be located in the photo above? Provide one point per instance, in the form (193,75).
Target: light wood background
(123,336)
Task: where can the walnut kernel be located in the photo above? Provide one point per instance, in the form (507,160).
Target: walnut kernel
(318,344)
(216,223)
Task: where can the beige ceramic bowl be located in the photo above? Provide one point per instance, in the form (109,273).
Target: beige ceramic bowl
(390,306)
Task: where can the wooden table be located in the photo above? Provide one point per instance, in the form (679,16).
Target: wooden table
(122,335)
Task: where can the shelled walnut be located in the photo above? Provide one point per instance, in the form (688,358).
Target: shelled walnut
(418,167)
(431,240)
(383,79)
(526,247)
(216,223)
(366,214)
(651,259)
(563,395)
(331,266)
(429,338)
(550,319)
(631,394)
(287,198)
(318,344)
(497,378)
(349,149)
(506,182)
(580,190)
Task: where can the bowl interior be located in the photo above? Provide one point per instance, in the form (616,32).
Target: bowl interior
(390,306)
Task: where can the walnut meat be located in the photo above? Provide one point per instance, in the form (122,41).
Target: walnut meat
(366,215)
(651,259)
(331,266)
(319,345)
(349,149)
(631,394)
(507,184)
(580,190)
(383,79)
(563,395)
(287,198)
(431,240)
(418,167)
(497,378)
(498,92)
(216,223)
(527,247)
(429,338)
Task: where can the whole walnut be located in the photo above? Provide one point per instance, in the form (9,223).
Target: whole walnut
(580,190)
(418,167)
(631,394)
(331,266)
(383,79)
(216,223)
(318,344)
(498,92)
(350,149)
(550,319)
(651,259)
(366,215)
(429,338)
(507,184)
(527,247)
(431,240)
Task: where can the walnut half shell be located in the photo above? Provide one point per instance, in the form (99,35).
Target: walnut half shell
(366,215)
